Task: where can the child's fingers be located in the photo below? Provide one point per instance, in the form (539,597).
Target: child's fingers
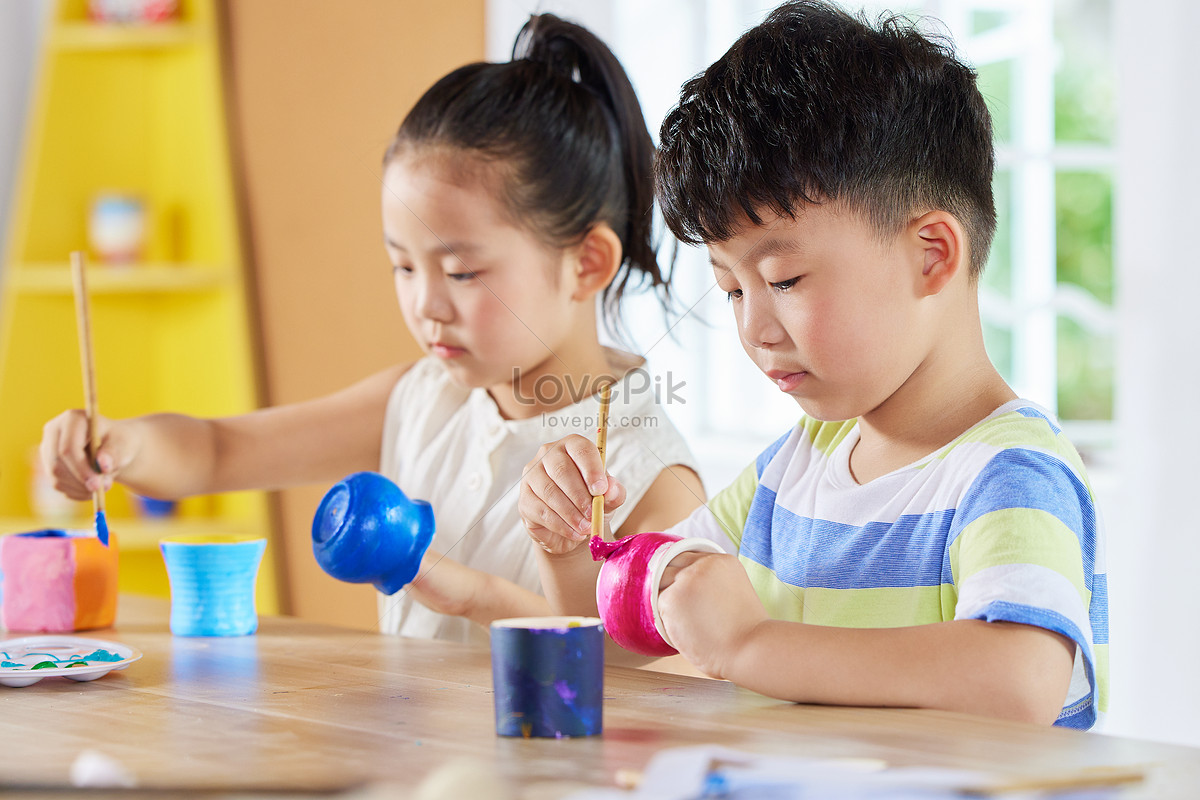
(591,468)
(561,515)
(554,536)
(679,562)
(64,454)
(614,498)
(543,503)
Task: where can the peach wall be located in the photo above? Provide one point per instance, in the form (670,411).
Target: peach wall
(316,90)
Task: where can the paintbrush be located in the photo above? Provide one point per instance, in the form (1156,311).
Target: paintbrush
(601,442)
(83,320)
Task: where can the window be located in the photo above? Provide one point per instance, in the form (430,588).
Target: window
(1048,292)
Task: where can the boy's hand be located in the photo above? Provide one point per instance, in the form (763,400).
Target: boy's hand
(64,453)
(557,489)
(709,609)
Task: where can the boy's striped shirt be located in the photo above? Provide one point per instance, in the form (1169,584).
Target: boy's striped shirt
(998,525)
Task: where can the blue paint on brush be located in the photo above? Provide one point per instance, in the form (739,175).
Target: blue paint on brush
(102,528)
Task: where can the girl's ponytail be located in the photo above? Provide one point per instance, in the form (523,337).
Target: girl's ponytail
(564,124)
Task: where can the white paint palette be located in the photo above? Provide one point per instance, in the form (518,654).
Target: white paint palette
(29,659)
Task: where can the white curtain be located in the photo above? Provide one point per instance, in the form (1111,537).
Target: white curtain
(1154,548)
(20,38)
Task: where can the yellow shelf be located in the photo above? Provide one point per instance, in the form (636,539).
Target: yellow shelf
(135,109)
(110,36)
(56,278)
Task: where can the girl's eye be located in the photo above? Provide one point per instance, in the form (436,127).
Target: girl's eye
(736,294)
(783,286)
(461,277)
(401,269)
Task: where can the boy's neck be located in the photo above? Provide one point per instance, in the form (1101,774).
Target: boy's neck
(945,397)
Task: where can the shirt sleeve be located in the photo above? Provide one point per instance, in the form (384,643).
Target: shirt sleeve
(723,518)
(1022,548)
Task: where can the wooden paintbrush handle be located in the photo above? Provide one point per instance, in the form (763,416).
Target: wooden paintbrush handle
(84,324)
(601,445)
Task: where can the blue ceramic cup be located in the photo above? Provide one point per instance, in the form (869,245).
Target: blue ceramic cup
(212,579)
(367,531)
(548,676)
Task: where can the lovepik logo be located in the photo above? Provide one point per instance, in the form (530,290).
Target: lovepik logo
(553,390)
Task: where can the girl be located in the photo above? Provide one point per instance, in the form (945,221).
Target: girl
(513,195)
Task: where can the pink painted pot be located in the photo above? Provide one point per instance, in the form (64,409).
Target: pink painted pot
(627,589)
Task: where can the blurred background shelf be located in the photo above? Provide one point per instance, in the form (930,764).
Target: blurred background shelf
(130,111)
(116,36)
(56,278)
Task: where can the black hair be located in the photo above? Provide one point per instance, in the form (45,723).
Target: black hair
(563,126)
(815,105)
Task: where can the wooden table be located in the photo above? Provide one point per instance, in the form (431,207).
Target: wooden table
(301,707)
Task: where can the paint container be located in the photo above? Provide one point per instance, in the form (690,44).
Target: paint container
(367,531)
(213,578)
(548,676)
(628,585)
(117,227)
(154,509)
(58,581)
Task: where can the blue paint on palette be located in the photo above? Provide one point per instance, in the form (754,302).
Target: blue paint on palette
(549,682)
(366,530)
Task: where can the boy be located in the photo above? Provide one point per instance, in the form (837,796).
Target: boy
(923,537)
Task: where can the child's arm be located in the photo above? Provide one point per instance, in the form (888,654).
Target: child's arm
(448,587)
(171,455)
(713,616)
(556,504)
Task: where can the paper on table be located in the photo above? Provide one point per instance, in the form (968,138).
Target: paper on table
(692,773)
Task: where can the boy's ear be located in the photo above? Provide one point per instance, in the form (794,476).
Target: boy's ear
(943,249)
(597,258)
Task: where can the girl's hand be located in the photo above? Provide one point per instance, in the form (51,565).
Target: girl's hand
(64,453)
(557,489)
(709,609)
(448,587)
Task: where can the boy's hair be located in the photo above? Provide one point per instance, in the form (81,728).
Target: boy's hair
(814,105)
(563,128)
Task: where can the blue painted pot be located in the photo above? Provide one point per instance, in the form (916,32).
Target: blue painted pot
(367,531)
(213,578)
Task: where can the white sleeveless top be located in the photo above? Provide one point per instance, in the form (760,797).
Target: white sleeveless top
(449,446)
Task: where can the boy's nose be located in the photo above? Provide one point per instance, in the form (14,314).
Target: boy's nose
(760,327)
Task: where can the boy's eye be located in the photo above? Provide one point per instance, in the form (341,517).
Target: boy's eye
(461,276)
(736,294)
(783,286)
(401,269)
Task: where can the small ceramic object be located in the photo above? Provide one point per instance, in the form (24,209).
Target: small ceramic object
(213,579)
(368,531)
(627,589)
(132,11)
(153,508)
(117,228)
(58,581)
(548,676)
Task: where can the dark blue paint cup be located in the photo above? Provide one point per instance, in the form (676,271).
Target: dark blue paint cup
(548,676)
(368,531)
